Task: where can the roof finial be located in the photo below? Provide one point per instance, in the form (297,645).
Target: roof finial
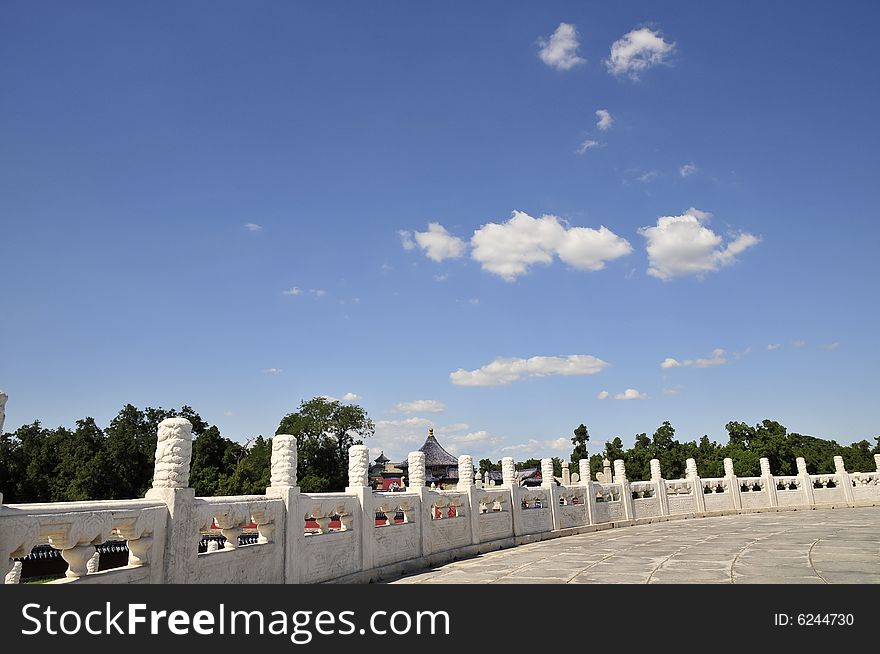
(431,432)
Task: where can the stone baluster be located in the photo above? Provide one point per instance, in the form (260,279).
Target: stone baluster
(508,472)
(842,479)
(566,474)
(358,466)
(693,476)
(626,499)
(659,486)
(876,463)
(283,485)
(416,470)
(584,471)
(769,482)
(619,471)
(466,483)
(547,473)
(465,472)
(478,481)
(171,486)
(606,471)
(732,484)
(806,481)
(359,484)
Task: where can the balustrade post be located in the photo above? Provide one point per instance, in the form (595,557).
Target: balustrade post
(732,484)
(626,497)
(842,479)
(696,486)
(566,474)
(171,486)
(584,472)
(415,483)
(769,481)
(806,481)
(283,485)
(876,463)
(660,486)
(548,482)
(606,471)
(467,484)
(508,472)
(359,484)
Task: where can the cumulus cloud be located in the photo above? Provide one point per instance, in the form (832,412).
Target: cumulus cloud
(535,448)
(437,243)
(318,292)
(351,397)
(687,170)
(717,358)
(644,178)
(798,344)
(295,290)
(272,371)
(605,119)
(560,50)
(603,395)
(503,371)
(253,227)
(684,245)
(831,346)
(420,406)
(638,51)
(631,394)
(406,240)
(589,144)
(774,346)
(509,249)
(456,426)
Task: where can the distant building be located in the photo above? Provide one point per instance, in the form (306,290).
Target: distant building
(385,475)
(441,468)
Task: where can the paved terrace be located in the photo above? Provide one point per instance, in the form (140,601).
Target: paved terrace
(825,546)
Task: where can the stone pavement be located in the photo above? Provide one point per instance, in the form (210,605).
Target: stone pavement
(825,546)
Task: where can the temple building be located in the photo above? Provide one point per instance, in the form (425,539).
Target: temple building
(441,468)
(385,475)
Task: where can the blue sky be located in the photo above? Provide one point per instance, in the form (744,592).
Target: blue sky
(167,172)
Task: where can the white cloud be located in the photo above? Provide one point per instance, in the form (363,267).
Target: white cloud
(605,119)
(644,178)
(560,50)
(437,243)
(228,413)
(510,248)
(351,397)
(587,145)
(798,344)
(687,170)
(441,278)
(456,426)
(684,245)
(638,51)
(420,406)
(717,358)
(831,346)
(675,390)
(535,448)
(472,437)
(603,395)
(774,346)
(318,292)
(272,371)
(631,394)
(503,371)
(406,240)
(295,290)
(253,227)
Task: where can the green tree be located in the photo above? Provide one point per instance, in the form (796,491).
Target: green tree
(581,436)
(324,431)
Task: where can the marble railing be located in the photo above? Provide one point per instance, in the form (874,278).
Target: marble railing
(360,535)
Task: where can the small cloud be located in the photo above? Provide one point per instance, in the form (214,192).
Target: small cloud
(589,144)
(774,346)
(318,292)
(638,51)
(437,243)
(406,240)
(647,177)
(272,371)
(631,394)
(716,359)
(832,346)
(420,406)
(675,390)
(687,170)
(351,397)
(798,344)
(603,395)
(441,278)
(253,227)
(456,426)
(228,413)
(605,119)
(295,290)
(385,267)
(560,50)
(504,371)
(560,443)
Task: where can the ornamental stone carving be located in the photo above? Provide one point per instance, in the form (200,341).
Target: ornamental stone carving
(283,461)
(416,461)
(656,473)
(584,470)
(801,465)
(546,472)
(358,466)
(508,471)
(690,468)
(839,468)
(877,461)
(765,467)
(465,471)
(728,468)
(14,575)
(173,453)
(566,474)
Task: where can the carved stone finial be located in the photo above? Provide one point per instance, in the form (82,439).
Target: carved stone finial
(656,473)
(584,470)
(801,466)
(508,471)
(173,453)
(358,466)
(765,466)
(690,468)
(619,471)
(728,468)
(416,461)
(283,461)
(546,472)
(465,472)
(606,471)
(566,474)
(839,468)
